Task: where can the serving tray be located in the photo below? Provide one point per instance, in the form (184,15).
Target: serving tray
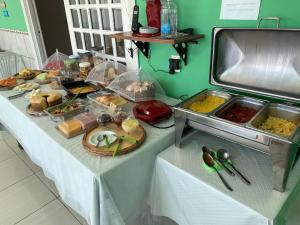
(125,148)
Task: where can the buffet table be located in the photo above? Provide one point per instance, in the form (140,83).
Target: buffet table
(183,189)
(104,190)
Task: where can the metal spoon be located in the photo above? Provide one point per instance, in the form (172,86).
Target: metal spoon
(209,161)
(212,153)
(223,156)
(99,139)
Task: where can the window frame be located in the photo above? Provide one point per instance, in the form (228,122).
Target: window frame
(125,6)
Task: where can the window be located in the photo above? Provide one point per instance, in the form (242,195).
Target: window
(92,21)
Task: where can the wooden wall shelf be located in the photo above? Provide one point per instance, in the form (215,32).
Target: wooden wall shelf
(180,43)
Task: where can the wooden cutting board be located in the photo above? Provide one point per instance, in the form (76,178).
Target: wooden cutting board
(139,135)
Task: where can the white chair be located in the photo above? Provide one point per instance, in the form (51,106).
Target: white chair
(10,63)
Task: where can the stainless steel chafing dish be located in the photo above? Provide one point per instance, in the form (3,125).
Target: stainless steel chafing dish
(265,62)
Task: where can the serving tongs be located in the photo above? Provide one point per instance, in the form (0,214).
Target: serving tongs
(18,95)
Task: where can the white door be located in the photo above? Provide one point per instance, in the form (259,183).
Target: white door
(92,21)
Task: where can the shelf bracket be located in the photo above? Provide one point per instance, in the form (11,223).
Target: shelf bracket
(182,50)
(143,47)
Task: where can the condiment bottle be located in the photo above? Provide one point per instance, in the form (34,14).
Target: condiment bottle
(84,69)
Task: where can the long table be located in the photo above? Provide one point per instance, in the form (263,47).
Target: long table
(184,190)
(104,190)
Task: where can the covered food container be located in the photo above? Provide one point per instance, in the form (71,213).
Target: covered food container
(264,62)
(106,72)
(136,86)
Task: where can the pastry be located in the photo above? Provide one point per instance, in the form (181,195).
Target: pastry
(88,120)
(70,128)
(141,89)
(112,101)
(32,93)
(53,73)
(26,73)
(43,100)
(111,74)
(130,125)
(8,82)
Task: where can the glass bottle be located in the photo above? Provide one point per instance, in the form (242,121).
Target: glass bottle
(169,19)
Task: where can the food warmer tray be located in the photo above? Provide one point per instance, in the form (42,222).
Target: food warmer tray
(265,62)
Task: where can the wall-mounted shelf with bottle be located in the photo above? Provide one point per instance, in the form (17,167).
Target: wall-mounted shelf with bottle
(180,43)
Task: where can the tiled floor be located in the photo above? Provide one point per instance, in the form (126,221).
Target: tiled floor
(27,197)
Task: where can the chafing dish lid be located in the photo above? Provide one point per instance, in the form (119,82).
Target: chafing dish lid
(261,61)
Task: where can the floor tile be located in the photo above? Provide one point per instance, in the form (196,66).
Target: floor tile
(12,171)
(49,183)
(2,128)
(35,168)
(52,214)
(5,151)
(79,217)
(11,142)
(22,199)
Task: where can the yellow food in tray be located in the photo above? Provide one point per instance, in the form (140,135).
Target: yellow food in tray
(278,126)
(207,105)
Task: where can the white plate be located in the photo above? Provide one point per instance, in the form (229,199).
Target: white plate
(110,134)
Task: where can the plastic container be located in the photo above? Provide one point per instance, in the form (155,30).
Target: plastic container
(71,67)
(87,57)
(84,69)
(168,19)
(106,72)
(136,86)
(97,52)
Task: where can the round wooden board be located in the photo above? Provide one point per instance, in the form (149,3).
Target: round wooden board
(125,148)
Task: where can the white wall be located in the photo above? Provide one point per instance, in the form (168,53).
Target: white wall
(18,42)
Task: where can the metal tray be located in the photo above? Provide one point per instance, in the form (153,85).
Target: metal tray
(278,110)
(242,101)
(70,85)
(260,61)
(201,96)
(68,115)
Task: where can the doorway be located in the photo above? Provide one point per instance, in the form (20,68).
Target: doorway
(54,26)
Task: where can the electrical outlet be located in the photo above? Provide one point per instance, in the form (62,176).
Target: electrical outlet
(174,62)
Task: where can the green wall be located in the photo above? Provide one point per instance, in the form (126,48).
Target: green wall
(16,20)
(203,15)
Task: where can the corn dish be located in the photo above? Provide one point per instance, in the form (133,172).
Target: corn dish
(207,105)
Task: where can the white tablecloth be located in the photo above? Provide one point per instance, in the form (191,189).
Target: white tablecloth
(183,190)
(104,190)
